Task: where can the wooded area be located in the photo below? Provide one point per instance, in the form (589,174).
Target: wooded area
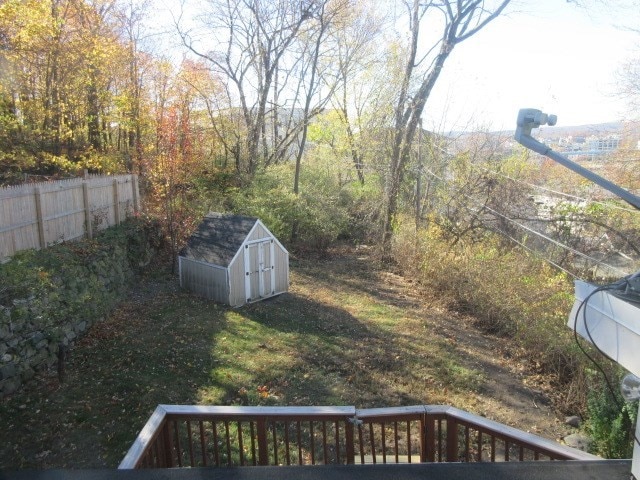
(305,114)
(263,84)
(315,105)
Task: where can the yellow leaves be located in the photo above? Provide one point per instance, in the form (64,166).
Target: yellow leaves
(263,391)
(28,24)
(59,162)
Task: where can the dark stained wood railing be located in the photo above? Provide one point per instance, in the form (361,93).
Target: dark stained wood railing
(194,436)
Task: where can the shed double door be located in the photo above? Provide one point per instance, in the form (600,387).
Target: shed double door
(260,275)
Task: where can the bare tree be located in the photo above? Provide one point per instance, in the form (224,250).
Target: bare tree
(353,45)
(629,84)
(252,40)
(459,20)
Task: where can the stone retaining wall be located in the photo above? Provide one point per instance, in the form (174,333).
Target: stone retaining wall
(52,297)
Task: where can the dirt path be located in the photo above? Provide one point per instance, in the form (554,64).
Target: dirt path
(510,392)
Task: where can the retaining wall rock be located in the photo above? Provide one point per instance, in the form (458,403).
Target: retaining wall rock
(57,295)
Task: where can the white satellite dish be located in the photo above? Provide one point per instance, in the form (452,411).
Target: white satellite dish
(612,324)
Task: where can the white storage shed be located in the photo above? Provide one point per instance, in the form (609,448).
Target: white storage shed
(234,260)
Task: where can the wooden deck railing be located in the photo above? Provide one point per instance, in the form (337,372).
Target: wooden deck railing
(194,436)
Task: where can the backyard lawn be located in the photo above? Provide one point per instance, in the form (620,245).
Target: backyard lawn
(347,333)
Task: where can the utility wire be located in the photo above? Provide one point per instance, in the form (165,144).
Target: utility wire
(555,242)
(535,232)
(583,304)
(535,252)
(568,195)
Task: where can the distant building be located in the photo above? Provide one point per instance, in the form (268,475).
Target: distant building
(606,144)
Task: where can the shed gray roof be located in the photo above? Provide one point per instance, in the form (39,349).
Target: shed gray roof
(218,238)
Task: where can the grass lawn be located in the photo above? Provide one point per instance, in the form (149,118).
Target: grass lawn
(347,333)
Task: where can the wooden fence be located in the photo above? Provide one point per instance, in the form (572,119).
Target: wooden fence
(38,215)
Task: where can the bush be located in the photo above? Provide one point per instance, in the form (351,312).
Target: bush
(509,292)
(323,211)
(611,421)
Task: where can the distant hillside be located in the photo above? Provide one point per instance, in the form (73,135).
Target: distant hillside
(580,130)
(554,132)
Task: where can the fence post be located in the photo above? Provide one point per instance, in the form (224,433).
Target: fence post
(116,202)
(263,453)
(452,440)
(427,441)
(87,209)
(40,217)
(348,438)
(136,200)
(167,445)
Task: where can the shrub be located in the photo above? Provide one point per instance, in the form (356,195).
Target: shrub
(509,292)
(611,421)
(323,211)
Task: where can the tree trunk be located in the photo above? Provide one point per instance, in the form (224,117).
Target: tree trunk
(463,19)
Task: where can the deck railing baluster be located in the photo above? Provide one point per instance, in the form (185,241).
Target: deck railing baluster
(493,448)
(240,445)
(395,443)
(372,440)
(275,443)
(467,444)
(263,447)
(361,443)
(190,444)
(440,440)
(203,445)
(452,440)
(299,440)
(216,447)
(349,442)
(337,428)
(253,443)
(178,450)
(167,445)
(313,443)
(324,443)
(286,443)
(383,441)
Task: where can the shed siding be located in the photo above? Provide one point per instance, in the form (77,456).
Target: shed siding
(281,258)
(236,283)
(204,280)
(258,232)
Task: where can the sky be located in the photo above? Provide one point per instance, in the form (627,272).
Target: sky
(544,54)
